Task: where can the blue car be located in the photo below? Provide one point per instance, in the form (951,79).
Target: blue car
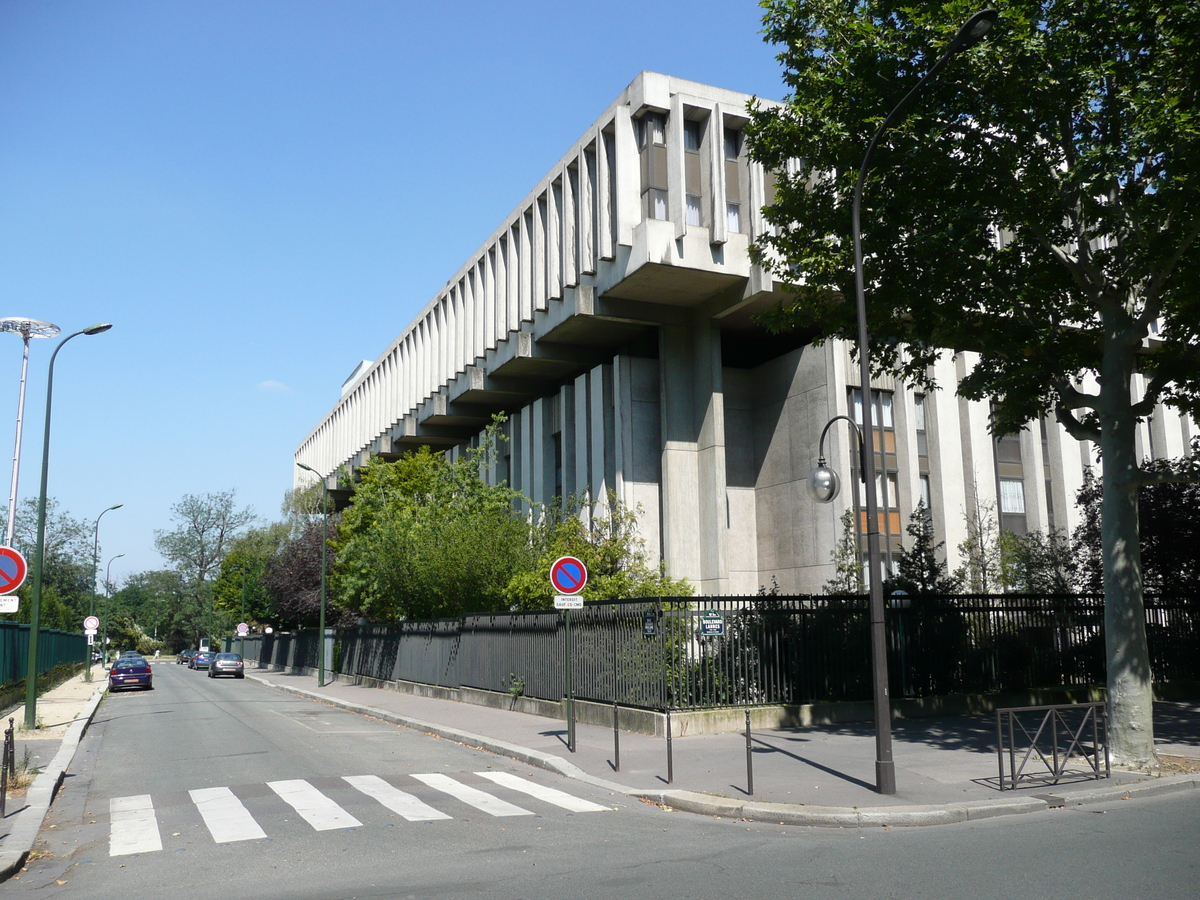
(130,672)
(201,660)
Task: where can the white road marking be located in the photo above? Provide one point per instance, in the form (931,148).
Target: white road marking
(133,826)
(394,799)
(318,810)
(548,794)
(469,795)
(227,819)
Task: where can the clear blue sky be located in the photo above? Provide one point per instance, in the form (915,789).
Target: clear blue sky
(258,195)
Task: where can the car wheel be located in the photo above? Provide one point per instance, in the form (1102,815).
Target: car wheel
(241,675)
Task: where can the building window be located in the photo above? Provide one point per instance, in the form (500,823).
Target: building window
(656,203)
(691,135)
(733,143)
(693,210)
(1012,496)
(652,129)
(733,217)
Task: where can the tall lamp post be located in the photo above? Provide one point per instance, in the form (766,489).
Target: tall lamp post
(96,574)
(107,593)
(27,328)
(31,669)
(324,545)
(971,33)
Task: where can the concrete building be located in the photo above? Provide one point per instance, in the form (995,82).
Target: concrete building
(611,316)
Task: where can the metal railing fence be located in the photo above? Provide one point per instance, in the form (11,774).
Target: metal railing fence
(655,653)
(54,649)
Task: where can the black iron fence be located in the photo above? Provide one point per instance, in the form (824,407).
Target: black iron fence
(740,651)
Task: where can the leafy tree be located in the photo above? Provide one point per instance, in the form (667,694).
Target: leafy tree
(847,560)
(1170,535)
(205,528)
(1039,562)
(604,537)
(66,565)
(980,571)
(425,537)
(292,579)
(921,569)
(154,603)
(1038,204)
(240,592)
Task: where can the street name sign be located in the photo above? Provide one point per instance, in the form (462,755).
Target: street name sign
(712,623)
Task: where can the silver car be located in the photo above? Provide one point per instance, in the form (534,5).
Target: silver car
(227,664)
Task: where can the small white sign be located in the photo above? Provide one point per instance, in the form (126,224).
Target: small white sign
(565,601)
(90,632)
(9,603)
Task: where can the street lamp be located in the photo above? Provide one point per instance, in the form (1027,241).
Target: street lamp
(324,545)
(27,328)
(96,573)
(39,553)
(971,33)
(107,597)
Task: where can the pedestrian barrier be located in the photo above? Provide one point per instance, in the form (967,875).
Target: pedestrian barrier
(1057,742)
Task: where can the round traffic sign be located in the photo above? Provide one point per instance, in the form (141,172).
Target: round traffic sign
(568,575)
(243,628)
(91,622)
(12,569)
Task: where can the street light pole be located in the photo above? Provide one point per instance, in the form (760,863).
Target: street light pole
(95,575)
(31,668)
(972,32)
(27,328)
(107,593)
(324,545)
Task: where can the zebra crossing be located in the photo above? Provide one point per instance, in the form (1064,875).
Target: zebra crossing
(135,824)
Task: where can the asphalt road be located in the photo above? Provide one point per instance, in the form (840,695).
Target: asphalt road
(285,763)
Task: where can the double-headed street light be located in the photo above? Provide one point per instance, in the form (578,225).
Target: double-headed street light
(324,545)
(971,33)
(35,604)
(27,328)
(96,574)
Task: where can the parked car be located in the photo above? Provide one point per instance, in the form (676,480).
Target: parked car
(202,660)
(130,672)
(227,664)
(130,653)
(185,657)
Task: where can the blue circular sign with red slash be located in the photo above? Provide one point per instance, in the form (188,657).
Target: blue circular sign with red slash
(12,569)
(568,575)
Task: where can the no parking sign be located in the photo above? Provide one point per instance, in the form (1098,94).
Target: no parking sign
(568,575)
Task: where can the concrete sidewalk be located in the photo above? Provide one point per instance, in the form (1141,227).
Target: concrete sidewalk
(946,768)
(63,714)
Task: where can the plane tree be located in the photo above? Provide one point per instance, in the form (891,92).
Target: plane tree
(1039,204)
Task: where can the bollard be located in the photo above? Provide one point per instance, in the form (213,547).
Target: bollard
(749,759)
(670,759)
(616,741)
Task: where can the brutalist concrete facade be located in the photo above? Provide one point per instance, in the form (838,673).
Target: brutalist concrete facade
(611,317)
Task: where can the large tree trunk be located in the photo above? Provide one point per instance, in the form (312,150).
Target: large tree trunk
(1130,690)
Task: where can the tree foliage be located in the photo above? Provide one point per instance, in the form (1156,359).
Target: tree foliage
(205,527)
(66,565)
(921,567)
(847,560)
(426,537)
(1039,204)
(239,591)
(604,537)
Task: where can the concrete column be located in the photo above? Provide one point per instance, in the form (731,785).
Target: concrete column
(693,455)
